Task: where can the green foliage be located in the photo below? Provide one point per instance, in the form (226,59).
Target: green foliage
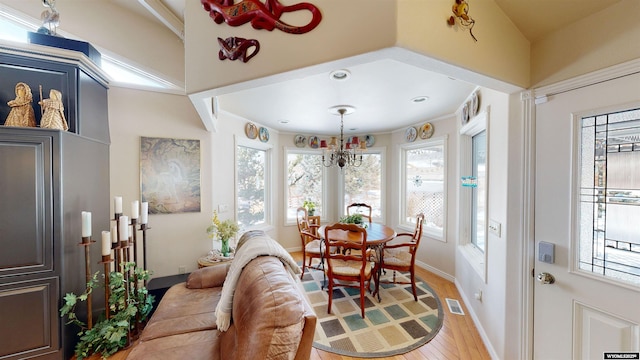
(309,205)
(107,336)
(352,219)
(223,230)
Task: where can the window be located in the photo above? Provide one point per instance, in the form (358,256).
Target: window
(305,178)
(252,184)
(473,191)
(609,206)
(478,192)
(423,190)
(14,28)
(363,184)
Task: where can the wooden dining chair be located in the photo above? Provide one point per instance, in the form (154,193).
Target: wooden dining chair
(360,208)
(344,269)
(402,256)
(312,247)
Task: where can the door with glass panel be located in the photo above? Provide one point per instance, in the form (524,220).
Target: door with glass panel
(587,222)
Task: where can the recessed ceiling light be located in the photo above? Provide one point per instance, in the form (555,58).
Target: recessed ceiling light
(340,75)
(419,99)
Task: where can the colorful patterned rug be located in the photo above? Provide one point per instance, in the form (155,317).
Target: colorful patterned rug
(395,325)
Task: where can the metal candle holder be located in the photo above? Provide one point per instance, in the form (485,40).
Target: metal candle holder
(86,242)
(106,261)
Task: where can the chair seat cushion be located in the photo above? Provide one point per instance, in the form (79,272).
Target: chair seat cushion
(349,268)
(313,247)
(396,257)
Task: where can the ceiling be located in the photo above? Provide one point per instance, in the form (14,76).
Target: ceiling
(381,90)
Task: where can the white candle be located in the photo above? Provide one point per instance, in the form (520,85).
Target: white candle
(144,216)
(135,209)
(124,228)
(106,243)
(114,233)
(86,224)
(117,207)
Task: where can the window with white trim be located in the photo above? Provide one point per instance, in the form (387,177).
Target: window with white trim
(305,180)
(253,200)
(473,191)
(423,186)
(363,184)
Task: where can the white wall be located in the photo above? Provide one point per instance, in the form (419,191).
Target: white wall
(174,239)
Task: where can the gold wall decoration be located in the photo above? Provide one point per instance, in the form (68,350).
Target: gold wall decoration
(461,13)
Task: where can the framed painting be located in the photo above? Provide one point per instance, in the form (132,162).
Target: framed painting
(170,174)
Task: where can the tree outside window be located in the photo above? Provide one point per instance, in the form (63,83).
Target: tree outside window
(251,186)
(363,184)
(304,181)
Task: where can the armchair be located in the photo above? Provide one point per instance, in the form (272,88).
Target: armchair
(402,256)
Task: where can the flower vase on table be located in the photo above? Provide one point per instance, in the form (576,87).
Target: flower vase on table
(224,248)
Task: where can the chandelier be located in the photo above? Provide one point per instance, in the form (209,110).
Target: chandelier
(346,153)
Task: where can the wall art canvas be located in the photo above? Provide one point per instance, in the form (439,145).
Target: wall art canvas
(170,174)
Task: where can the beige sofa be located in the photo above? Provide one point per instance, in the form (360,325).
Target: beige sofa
(271,318)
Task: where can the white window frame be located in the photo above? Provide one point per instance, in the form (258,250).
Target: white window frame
(268,178)
(325,198)
(476,258)
(383,169)
(431,232)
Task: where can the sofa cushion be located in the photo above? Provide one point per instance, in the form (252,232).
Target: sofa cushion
(268,313)
(195,345)
(183,310)
(207,277)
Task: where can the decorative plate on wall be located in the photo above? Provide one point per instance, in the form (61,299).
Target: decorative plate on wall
(300,141)
(475,104)
(251,130)
(264,134)
(410,134)
(314,142)
(426,131)
(464,114)
(370,140)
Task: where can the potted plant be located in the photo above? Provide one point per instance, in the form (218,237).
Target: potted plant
(352,219)
(310,206)
(223,230)
(108,336)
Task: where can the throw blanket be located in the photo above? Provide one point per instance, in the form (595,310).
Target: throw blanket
(251,245)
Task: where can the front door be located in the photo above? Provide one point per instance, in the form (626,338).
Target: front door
(587,222)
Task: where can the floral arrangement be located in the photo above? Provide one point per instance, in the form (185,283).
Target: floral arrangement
(223,230)
(310,206)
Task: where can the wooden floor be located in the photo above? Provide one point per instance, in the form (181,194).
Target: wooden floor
(458,338)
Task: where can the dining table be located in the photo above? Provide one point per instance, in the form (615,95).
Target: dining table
(377,236)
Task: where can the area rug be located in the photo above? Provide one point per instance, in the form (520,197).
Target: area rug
(395,325)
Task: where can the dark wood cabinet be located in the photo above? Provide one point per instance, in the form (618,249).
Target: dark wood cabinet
(47,178)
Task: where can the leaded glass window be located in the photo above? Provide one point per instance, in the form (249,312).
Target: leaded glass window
(610,195)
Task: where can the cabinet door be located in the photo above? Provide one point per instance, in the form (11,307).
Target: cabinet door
(29,326)
(26,234)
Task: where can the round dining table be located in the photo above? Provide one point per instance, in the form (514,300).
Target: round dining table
(377,235)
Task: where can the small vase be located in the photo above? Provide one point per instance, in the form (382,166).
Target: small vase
(224,249)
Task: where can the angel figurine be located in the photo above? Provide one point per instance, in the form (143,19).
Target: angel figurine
(21,113)
(53,115)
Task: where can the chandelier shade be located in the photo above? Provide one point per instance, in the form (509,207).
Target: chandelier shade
(342,154)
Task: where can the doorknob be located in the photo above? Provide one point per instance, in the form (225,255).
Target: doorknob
(546,278)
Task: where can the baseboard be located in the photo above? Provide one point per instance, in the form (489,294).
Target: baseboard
(436,271)
(476,321)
